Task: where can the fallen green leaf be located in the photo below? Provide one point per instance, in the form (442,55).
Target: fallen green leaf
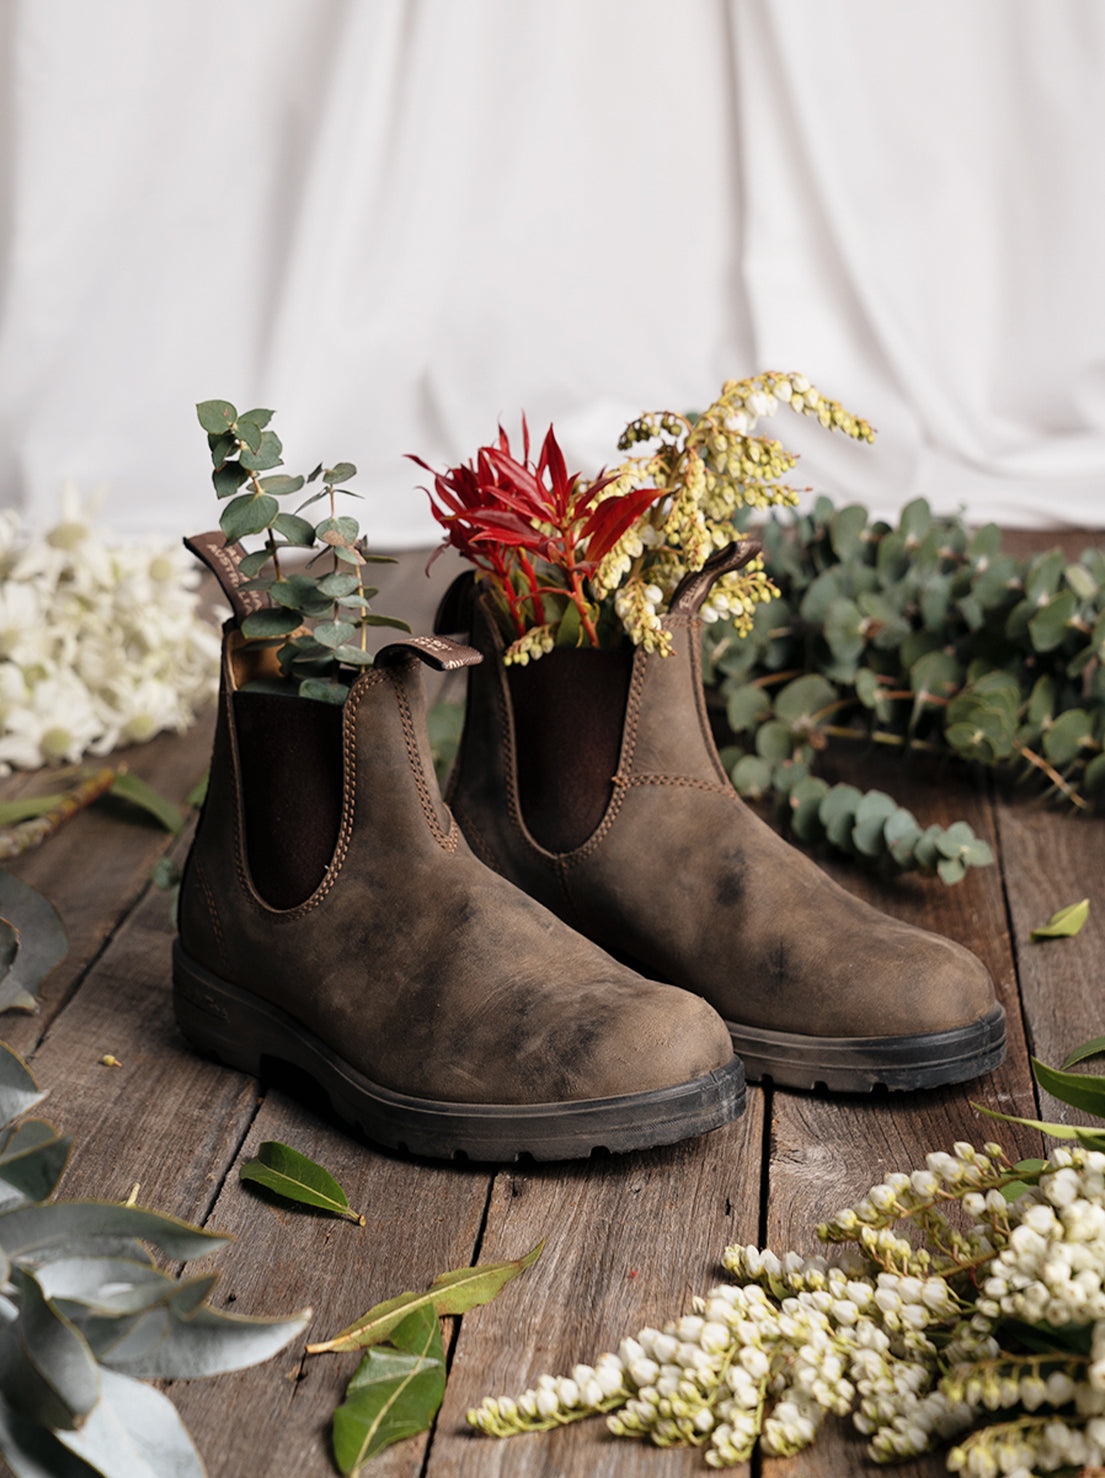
(130,788)
(1093,1139)
(1091,1048)
(395,1392)
(290,1174)
(27,808)
(450,1293)
(1080,1090)
(1065,923)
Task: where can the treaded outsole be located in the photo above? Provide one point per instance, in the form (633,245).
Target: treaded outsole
(861,1064)
(246,1032)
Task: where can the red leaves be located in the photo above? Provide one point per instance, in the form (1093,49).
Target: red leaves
(500,511)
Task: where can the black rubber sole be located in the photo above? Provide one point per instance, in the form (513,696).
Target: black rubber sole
(860,1064)
(248,1033)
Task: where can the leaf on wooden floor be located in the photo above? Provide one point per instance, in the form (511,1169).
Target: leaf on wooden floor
(450,1293)
(39,939)
(291,1174)
(1093,1048)
(1064,924)
(1093,1139)
(129,787)
(395,1392)
(1080,1090)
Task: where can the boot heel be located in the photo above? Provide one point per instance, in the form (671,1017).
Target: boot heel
(210,1018)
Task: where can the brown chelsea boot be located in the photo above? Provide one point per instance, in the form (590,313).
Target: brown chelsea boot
(333,917)
(592,781)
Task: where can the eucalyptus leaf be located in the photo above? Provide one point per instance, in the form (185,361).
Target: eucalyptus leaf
(450,1293)
(280,484)
(33,1158)
(322,690)
(62,1378)
(395,1392)
(134,1432)
(342,472)
(228,478)
(171,1341)
(36,1232)
(279,1168)
(216,416)
(32,1451)
(267,455)
(42,946)
(252,513)
(1064,924)
(270,622)
(18,1090)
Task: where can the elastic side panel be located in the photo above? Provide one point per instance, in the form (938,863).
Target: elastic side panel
(569,709)
(291,758)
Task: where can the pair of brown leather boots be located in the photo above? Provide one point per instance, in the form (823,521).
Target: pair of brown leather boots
(484,977)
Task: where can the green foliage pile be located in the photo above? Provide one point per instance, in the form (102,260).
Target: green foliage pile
(920,638)
(86,1317)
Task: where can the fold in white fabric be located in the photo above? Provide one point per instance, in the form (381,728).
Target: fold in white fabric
(400,221)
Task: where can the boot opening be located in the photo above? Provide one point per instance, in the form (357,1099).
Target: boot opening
(569,709)
(290,750)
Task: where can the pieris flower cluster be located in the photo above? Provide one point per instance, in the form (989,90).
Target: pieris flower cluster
(989,1335)
(100,644)
(712,470)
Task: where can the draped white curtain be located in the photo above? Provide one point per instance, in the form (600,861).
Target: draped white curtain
(400,221)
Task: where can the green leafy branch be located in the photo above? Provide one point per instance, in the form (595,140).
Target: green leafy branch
(320,622)
(923,638)
(86,1317)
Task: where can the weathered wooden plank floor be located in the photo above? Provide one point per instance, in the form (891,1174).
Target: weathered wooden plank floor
(629,1240)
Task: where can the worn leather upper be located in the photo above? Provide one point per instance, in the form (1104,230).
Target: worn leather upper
(424,970)
(682,877)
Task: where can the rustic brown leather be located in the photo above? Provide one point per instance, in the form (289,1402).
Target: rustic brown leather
(426,972)
(683,879)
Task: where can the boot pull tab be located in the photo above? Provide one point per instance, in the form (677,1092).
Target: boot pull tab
(223,558)
(454,612)
(693,589)
(435,651)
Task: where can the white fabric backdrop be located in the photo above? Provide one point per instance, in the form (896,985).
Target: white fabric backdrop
(398,221)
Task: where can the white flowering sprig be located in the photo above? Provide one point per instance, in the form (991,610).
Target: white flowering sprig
(989,1336)
(711,467)
(101,643)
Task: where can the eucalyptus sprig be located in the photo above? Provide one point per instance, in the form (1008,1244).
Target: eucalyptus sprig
(321,621)
(924,638)
(87,1318)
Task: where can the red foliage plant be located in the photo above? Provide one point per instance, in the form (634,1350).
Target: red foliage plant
(535,529)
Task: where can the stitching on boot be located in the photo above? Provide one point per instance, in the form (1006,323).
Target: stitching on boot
(349,751)
(216,927)
(685,781)
(476,840)
(623,778)
(447,840)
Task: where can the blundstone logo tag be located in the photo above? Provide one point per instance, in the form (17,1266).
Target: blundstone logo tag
(223,560)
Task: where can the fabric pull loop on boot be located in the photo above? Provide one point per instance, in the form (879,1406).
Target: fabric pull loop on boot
(223,558)
(435,651)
